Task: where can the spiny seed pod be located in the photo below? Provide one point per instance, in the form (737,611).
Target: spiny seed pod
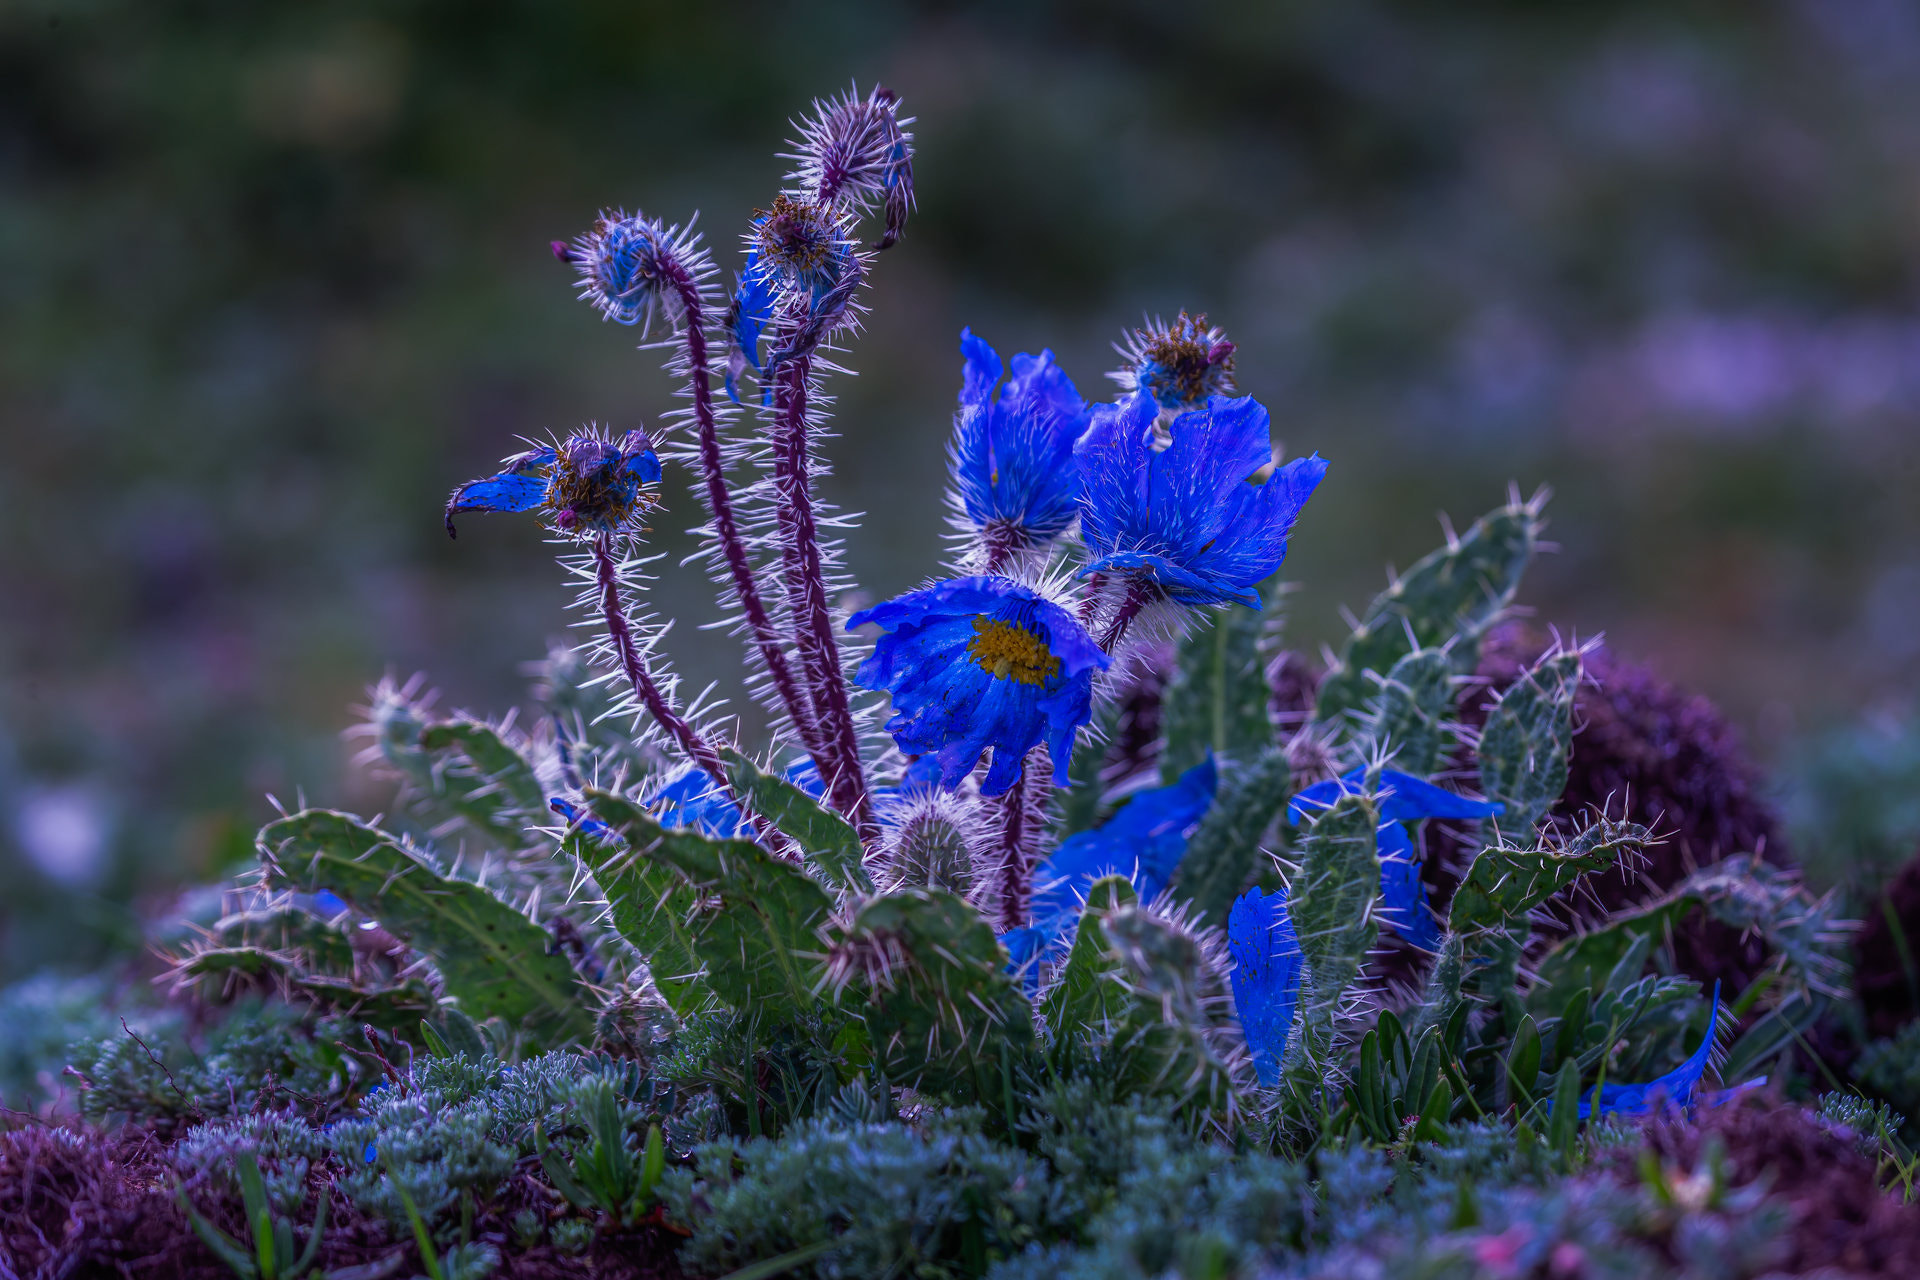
(932,842)
(1178,364)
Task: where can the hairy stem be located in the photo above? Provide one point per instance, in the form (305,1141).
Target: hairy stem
(698,749)
(1019,835)
(807,598)
(726,529)
(1130,606)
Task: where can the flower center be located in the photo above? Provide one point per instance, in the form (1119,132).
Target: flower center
(1012,652)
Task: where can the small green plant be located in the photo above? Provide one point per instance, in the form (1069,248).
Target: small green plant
(272,1256)
(606,1176)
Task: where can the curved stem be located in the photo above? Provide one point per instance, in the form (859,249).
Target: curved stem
(807,598)
(726,529)
(1000,540)
(607,577)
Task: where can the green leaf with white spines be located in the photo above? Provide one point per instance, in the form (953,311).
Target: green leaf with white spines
(1450,598)
(493,960)
(1526,743)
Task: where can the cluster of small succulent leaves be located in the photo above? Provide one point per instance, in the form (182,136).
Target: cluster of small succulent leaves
(952,915)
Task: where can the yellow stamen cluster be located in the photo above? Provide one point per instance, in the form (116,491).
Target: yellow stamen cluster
(1012,652)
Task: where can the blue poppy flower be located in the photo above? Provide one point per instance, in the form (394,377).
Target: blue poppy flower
(1673,1089)
(1144,841)
(586,487)
(1266,976)
(973,663)
(1403,798)
(696,799)
(1012,455)
(1192,519)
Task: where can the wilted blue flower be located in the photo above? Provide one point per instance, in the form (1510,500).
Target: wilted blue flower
(1266,976)
(1144,841)
(1012,454)
(1201,520)
(1672,1089)
(982,662)
(694,799)
(1403,798)
(855,151)
(586,487)
(1180,364)
(628,266)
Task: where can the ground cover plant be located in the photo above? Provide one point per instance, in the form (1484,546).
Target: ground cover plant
(1060,924)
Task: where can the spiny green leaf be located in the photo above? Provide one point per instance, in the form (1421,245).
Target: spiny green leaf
(1332,901)
(1452,595)
(1223,854)
(494,961)
(1083,994)
(1409,716)
(823,835)
(1742,892)
(1164,1041)
(1525,744)
(651,905)
(934,991)
(755,920)
(1505,883)
(500,764)
(1216,697)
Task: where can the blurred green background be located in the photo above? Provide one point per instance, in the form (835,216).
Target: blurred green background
(273,277)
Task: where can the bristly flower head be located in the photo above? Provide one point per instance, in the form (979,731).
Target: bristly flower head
(800,244)
(855,151)
(626,265)
(973,663)
(1014,474)
(1180,365)
(585,487)
(1200,521)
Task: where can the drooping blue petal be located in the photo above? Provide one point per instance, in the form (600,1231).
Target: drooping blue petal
(1672,1089)
(1266,976)
(1402,798)
(1011,456)
(1195,518)
(692,798)
(1403,895)
(504,492)
(982,663)
(1144,841)
(1025,947)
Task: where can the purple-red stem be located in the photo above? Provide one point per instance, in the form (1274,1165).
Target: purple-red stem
(1130,606)
(807,596)
(607,575)
(726,530)
(1019,821)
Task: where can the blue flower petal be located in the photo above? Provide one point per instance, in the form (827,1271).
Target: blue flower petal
(1011,456)
(1672,1089)
(1403,896)
(1144,841)
(692,798)
(504,492)
(1266,976)
(947,705)
(1194,506)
